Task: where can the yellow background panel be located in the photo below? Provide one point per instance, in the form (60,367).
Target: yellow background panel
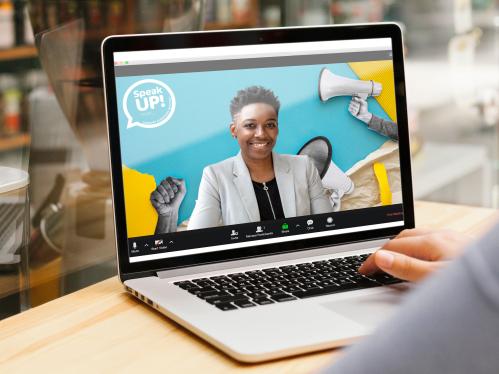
(381,72)
(141,217)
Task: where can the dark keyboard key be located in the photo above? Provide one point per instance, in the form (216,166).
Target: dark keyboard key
(206,284)
(237,275)
(325,283)
(263,301)
(200,280)
(186,285)
(304,266)
(365,282)
(242,284)
(322,291)
(195,291)
(303,280)
(287,284)
(270,286)
(217,278)
(309,286)
(280,297)
(204,295)
(224,299)
(226,287)
(239,294)
(282,277)
(273,291)
(343,281)
(244,303)
(225,306)
(254,288)
(256,295)
(384,278)
(254,273)
(271,270)
(288,269)
(322,278)
(317,263)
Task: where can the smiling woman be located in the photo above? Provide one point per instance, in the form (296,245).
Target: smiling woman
(257,184)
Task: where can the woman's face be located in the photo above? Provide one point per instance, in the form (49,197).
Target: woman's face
(255,128)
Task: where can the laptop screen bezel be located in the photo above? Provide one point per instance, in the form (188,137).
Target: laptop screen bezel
(171,41)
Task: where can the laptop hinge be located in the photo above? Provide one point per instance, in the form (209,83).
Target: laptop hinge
(313,252)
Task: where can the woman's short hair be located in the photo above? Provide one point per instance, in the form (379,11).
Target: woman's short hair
(253,95)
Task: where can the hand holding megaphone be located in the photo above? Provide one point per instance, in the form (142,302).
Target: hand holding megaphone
(358,109)
(332,85)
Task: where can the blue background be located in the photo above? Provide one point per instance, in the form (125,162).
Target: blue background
(198,133)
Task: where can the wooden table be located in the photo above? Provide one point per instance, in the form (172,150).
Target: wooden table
(102,329)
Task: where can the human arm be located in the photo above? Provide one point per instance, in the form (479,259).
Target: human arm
(449,324)
(207,211)
(166,199)
(358,108)
(384,127)
(414,254)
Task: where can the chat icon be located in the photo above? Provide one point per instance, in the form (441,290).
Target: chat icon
(148,103)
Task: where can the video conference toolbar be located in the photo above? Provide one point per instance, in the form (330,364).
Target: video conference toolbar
(183,243)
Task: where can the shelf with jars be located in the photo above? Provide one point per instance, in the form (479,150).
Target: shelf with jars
(18,58)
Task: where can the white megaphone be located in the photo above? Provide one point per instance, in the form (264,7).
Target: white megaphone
(332,85)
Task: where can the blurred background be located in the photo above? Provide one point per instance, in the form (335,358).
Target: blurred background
(56,230)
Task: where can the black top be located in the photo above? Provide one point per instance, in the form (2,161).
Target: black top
(269,201)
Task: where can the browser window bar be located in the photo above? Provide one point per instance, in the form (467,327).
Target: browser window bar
(289,49)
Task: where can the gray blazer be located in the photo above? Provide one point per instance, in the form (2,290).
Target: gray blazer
(226,195)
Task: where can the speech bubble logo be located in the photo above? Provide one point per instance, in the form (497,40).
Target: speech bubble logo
(148,103)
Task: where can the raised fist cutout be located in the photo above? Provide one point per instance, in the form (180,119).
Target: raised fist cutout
(168,196)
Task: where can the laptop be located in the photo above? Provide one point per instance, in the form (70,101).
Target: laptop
(253,171)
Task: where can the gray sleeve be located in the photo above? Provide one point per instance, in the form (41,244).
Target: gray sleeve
(450,324)
(384,127)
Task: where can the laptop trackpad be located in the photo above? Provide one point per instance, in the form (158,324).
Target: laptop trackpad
(368,310)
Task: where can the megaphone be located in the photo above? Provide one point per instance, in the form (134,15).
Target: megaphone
(332,85)
(320,151)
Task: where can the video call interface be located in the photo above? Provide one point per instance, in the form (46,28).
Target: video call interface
(233,147)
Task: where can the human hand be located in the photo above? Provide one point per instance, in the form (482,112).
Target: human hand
(358,109)
(414,254)
(168,196)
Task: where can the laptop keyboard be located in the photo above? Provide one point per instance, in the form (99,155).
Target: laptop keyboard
(285,283)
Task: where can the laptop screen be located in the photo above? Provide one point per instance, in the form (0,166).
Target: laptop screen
(235,147)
